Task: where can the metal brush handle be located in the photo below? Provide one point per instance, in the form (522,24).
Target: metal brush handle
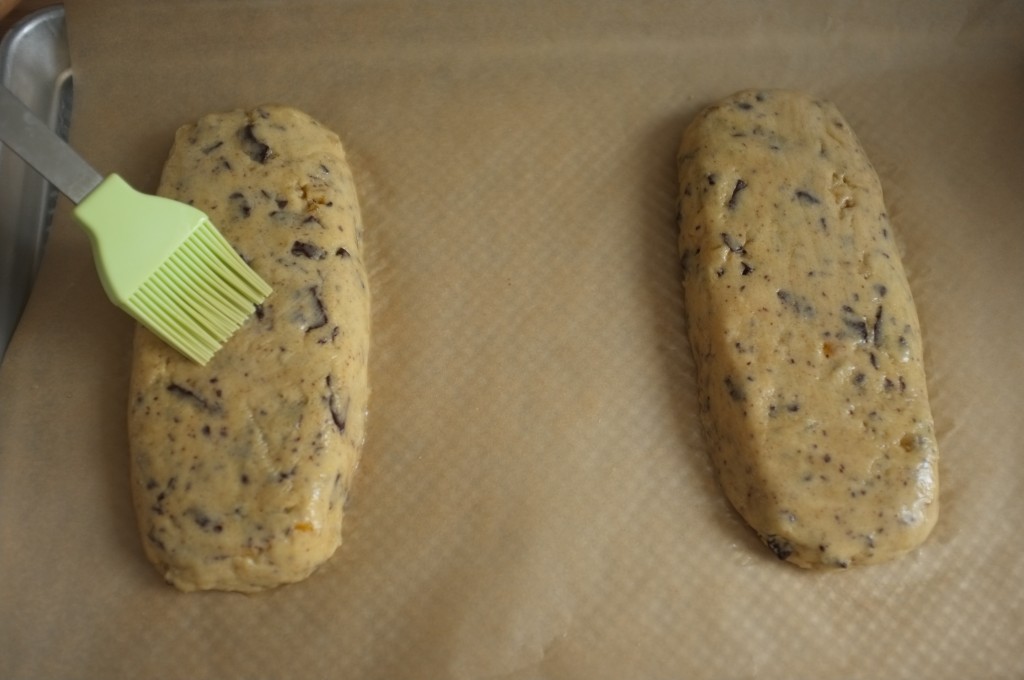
(41,148)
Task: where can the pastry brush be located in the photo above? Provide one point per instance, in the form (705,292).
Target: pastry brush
(160,260)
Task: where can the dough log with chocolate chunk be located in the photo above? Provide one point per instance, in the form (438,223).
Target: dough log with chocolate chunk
(240,469)
(805,336)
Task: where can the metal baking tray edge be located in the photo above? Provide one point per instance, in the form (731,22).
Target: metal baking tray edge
(35,65)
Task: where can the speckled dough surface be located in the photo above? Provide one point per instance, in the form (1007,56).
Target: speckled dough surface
(806,339)
(240,469)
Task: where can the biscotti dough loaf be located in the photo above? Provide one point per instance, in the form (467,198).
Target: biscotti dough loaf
(240,469)
(805,336)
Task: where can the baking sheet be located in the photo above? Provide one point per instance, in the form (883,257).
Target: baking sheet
(35,66)
(535,499)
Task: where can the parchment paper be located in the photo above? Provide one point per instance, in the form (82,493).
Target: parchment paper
(535,499)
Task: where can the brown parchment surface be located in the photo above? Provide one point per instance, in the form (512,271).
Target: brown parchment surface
(534,499)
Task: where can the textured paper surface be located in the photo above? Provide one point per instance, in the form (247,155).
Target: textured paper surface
(534,499)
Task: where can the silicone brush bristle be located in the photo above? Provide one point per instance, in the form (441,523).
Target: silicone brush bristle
(199,296)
